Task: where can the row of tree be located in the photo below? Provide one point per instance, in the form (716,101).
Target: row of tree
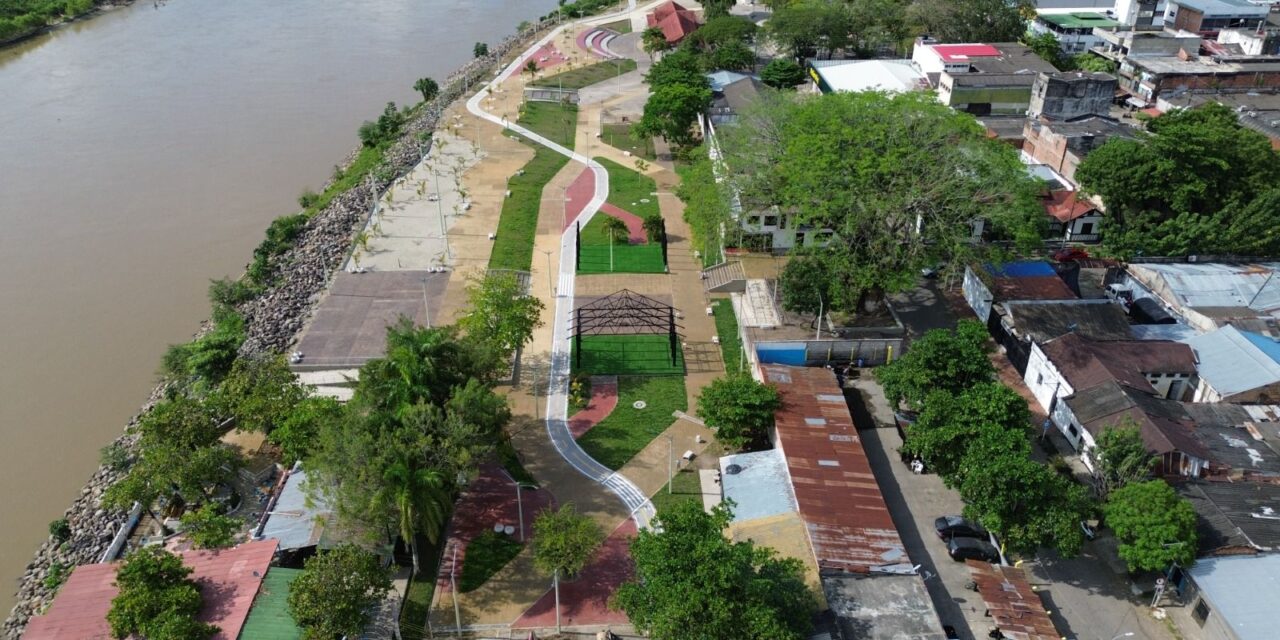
(973,432)
(679,93)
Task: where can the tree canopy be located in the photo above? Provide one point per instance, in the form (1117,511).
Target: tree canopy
(900,180)
(691,582)
(948,423)
(564,540)
(782,73)
(941,360)
(1197,182)
(1155,526)
(209,528)
(1120,458)
(427,87)
(157,599)
(740,410)
(337,588)
(501,312)
(679,92)
(971,20)
(821,28)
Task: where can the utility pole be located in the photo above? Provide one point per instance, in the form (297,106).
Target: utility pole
(671,454)
(444,231)
(551,276)
(426,311)
(453,585)
(555,578)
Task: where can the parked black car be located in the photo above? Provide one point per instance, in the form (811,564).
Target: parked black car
(972,549)
(957,527)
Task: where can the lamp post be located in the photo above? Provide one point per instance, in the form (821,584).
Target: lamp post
(426,312)
(520,504)
(551,276)
(671,454)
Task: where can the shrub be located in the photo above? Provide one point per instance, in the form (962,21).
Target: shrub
(60,529)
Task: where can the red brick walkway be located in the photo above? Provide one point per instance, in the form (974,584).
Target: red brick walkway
(635,224)
(585,601)
(604,397)
(578,195)
(548,56)
(489,499)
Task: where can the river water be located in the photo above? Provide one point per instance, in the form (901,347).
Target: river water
(142,153)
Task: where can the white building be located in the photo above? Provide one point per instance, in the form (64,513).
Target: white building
(1074,30)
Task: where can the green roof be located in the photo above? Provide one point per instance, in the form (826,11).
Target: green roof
(269,617)
(1078,20)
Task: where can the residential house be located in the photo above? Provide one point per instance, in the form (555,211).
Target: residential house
(1064,145)
(1149,78)
(1074,30)
(892,76)
(982,79)
(1233,597)
(1012,282)
(1236,366)
(230,580)
(1071,95)
(1209,295)
(1140,14)
(1072,218)
(731,92)
(1235,518)
(1043,320)
(1208,17)
(1248,42)
(1243,441)
(675,21)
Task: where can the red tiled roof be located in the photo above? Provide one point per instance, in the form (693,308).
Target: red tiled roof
(849,525)
(962,52)
(666,9)
(228,578)
(1013,605)
(1063,206)
(675,26)
(1011,289)
(1086,363)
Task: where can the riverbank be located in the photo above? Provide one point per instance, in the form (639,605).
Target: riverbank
(272,319)
(21,34)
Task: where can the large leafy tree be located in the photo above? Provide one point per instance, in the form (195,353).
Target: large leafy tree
(723,30)
(1196,182)
(1154,525)
(671,112)
(157,599)
(427,87)
(806,284)
(335,592)
(971,20)
(260,393)
(706,204)
(740,410)
(563,543)
(821,28)
(502,313)
(210,528)
(941,360)
(949,423)
(691,582)
(782,73)
(900,180)
(1026,502)
(1120,458)
(422,364)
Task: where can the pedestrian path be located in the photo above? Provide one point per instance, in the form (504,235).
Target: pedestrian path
(585,599)
(604,397)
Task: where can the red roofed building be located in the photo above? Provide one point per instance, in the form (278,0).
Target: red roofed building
(1074,219)
(845,515)
(228,579)
(675,21)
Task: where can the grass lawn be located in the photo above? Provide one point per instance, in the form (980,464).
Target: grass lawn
(727,329)
(631,190)
(554,121)
(627,430)
(685,487)
(627,258)
(633,355)
(621,26)
(486,555)
(618,136)
(588,75)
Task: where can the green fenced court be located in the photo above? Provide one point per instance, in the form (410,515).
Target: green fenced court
(627,258)
(644,355)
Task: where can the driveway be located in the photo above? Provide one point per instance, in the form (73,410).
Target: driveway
(923,308)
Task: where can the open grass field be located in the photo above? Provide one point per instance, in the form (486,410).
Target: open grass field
(627,355)
(518,224)
(618,136)
(621,26)
(631,190)
(552,120)
(486,555)
(727,330)
(685,487)
(627,430)
(588,75)
(627,258)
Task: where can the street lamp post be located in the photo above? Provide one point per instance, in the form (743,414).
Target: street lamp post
(426,312)
(550,275)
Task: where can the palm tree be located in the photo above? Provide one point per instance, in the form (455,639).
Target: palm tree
(421,499)
(615,229)
(531,68)
(654,227)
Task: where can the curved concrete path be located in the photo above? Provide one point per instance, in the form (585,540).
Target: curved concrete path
(637,502)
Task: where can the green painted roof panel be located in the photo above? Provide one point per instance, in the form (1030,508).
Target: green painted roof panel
(269,617)
(1079,20)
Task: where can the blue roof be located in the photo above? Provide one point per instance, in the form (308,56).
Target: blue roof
(721,79)
(1021,269)
(1264,344)
(761,488)
(1243,590)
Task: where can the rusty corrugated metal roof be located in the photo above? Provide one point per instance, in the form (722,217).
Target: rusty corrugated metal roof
(1013,605)
(848,522)
(228,579)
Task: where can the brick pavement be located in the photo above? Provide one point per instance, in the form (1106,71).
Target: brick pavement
(585,599)
(604,397)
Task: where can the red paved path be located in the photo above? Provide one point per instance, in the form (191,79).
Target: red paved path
(595,35)
(552,55)
(635,224)
(489,499)
(580,192)
(585,601)
(604,397)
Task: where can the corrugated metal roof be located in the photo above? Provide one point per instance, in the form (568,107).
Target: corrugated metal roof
(1032,288)
(296,520)
(1086,363)
(1164,425)
(760,488)
(848,522)
(1235,514)
(1012,604)
(882,607)
(1219,285)
(1044,321)
(229,580)
(1231,364)
(269,617)
(1243,590)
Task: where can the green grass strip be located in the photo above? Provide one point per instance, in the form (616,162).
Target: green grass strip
(621,26)
(627,355)
(552,120)
(486,555)
(685,487)
(588,75)
(621,435)
(627,258)
(618,136)
(513,246)
(631,190)
(727,330)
